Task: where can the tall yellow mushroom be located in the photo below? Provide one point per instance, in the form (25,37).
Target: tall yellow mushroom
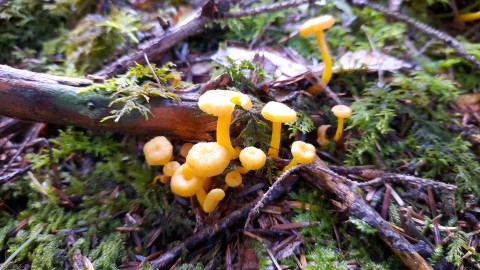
(316,26)
(221,103)
(341,112)
(277,113)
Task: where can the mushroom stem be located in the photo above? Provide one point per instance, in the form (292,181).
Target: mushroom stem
(212,199)
(201,195)
(223,134)
(275,142)
(338,133)
(292,163)
(472,16)
(242,170)
(327,60)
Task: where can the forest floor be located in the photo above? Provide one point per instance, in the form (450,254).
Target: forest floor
(399,189)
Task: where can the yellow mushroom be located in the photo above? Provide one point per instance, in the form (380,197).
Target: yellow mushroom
(221,103)
(233,179)
(316,26)
(251,158)
(322,137)
(302,152)
(185,149)
(467,17)
(341,112)
(277,113)
(170,168)
(207,159)
(158,151)
(184,183)
(212,199)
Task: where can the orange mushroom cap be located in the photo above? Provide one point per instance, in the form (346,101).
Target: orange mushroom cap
(317,24)
(278,112)
(303,152)
(342,111)
(170,168)
(222,102)
(233,179)
(158,151)
(208,159)
(252,158)
(184,183)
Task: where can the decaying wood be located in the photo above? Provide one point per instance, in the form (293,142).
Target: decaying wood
(355,206)
(39,97)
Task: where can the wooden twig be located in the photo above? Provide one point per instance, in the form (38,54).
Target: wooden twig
(44,98)
(355,206)
(209,12)
(7,177)
(208,233)
(422,27)
(156,47)
(264,9)
(423,183)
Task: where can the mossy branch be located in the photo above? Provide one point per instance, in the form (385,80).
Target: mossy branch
(45,98)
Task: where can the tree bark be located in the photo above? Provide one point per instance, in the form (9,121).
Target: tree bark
(40,97)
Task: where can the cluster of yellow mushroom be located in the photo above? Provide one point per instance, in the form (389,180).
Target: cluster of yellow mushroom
(209,159)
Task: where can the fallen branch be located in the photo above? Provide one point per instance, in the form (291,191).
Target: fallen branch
(323,178)
(209,12)
(45,98)
(155,48)
(341,187)
(422,27)
(234,218)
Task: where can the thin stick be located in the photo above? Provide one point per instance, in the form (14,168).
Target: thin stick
(263,9)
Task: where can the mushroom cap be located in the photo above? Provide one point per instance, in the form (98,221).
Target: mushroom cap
(208,159)
(158,151)
(342,111)
(303,152)
(184,183)
(316,24)
(233,179)
(222,102)
(185,149)
(278,112)
(170,168)
(252,158)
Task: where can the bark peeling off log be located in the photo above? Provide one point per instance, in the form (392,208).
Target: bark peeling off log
(44,98)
